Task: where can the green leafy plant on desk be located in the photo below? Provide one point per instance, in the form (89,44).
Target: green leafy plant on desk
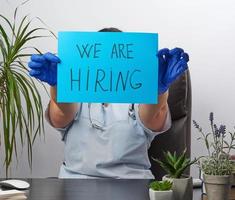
(175,165)
(217,167)
(161,185)
(21,111)
(161,190)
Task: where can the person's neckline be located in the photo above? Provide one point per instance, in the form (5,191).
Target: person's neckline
(105,105)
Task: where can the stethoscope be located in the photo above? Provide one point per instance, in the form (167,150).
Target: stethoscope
(131,114)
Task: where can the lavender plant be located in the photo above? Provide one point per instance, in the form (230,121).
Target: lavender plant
(217,162)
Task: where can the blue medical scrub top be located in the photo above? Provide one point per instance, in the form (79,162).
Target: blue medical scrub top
(120,150)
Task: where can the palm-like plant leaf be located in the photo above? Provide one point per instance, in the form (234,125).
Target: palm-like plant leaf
(20,102)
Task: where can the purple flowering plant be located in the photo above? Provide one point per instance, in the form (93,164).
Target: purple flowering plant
(218,146)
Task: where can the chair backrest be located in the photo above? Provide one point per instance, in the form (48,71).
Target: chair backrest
(179,136)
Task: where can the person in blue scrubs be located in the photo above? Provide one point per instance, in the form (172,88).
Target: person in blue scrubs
(109,140)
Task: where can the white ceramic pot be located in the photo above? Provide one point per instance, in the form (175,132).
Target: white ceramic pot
(160,195)
(182,187)
(217,187)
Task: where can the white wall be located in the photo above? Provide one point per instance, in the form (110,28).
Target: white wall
(204,28)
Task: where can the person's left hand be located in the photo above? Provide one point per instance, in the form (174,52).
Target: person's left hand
(172,63)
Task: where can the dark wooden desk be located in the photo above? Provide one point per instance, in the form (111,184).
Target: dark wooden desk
(88,189)
(91,189)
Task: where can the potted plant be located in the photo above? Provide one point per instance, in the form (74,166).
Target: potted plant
(21,110)
(161,190)
(233,170)
(217,167)
(175,166)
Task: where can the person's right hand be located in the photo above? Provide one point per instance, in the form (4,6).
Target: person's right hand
(44,68)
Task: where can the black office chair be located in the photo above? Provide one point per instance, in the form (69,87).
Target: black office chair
(179,136)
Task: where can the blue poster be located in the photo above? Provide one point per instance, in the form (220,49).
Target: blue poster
(110,67)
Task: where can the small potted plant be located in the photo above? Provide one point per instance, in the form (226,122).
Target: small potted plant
(175,166)
(217,167)
(161,190)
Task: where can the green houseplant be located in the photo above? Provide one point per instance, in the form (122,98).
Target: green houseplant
(21,111)
(160,185)
(161,190)
(175,165)
(217,167)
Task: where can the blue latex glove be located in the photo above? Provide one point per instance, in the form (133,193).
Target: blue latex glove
(172,63)
(44,68)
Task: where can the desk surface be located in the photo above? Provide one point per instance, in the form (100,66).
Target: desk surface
(91,189)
